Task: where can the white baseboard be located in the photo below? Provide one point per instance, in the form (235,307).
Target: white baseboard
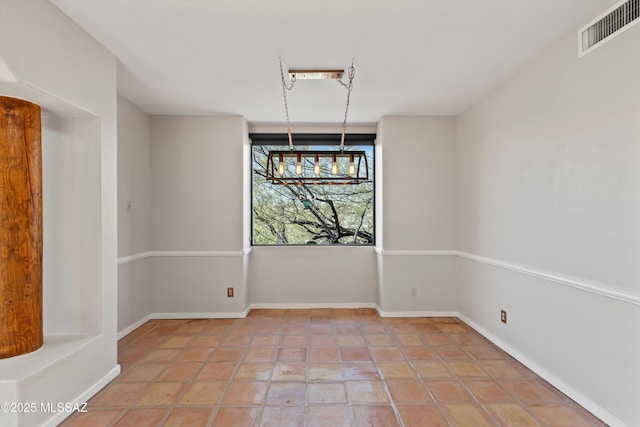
(177,315)
(135,325)
(582,400)
(382,313)
(306,306)
(86,395)
(202,315)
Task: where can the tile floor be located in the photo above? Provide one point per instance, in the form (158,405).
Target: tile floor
(325,368)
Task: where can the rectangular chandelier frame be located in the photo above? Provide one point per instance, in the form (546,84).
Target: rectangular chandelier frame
(358,158)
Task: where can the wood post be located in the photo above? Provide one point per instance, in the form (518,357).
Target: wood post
(20,228)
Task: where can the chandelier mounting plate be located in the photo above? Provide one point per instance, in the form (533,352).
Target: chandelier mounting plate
(315,74)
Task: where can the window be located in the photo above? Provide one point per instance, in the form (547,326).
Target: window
(312,213)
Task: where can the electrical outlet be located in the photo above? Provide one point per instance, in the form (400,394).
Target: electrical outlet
(503,316)
(414,292)
(229,292)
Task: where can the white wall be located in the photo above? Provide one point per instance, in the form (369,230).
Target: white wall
(417,215)
(134,179)
(431,276)
(71,224)
(53,61)
(197,174)
(418,160)
(549,193)
(313,276)
(134,214)
(198,202)
(197,284)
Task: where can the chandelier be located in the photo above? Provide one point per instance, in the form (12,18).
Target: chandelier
(317,167)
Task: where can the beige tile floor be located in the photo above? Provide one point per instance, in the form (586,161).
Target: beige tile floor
(325,368)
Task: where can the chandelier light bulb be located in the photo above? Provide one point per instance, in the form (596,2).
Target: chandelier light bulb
(281,165)
(316,165)
(299,165)
(334,165)
(352,166)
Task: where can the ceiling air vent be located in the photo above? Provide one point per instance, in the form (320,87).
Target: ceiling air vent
(622,16)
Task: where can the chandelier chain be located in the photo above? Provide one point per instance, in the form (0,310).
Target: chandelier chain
(349,86)
(285,88)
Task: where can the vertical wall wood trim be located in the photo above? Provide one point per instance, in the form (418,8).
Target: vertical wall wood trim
(20,228)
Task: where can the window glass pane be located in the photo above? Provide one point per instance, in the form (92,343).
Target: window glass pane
(311,214)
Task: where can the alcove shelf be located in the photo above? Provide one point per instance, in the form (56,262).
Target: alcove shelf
(72,263)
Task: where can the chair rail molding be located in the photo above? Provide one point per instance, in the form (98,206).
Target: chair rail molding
(601,289)
(150,254)
(574,282)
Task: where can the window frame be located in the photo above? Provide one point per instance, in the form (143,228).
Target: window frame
(320,140)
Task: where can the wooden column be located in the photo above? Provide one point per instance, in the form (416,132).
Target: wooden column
(20,228)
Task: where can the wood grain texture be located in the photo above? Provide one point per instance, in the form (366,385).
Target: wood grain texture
(20,228)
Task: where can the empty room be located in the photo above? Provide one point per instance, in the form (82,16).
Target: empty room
(319,213)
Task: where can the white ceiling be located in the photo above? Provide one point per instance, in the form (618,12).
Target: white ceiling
(412,57)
